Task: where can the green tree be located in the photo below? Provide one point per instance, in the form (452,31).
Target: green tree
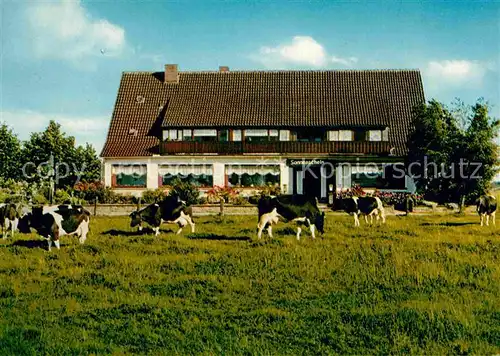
(89,168)
(10,154)
(480,153)
(446,147)
(53,149)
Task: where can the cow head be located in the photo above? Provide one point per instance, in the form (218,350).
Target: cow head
(135,218)
(319,222)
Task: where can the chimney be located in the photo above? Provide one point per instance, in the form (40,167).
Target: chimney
(223,69)
(171,73)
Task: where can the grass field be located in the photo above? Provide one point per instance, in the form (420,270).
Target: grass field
(419,285)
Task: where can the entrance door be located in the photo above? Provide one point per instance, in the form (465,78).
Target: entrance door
(312,182)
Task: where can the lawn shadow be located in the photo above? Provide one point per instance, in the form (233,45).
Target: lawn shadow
(31,244)
(145,231)
(448,223)
(286,231)
(217,237)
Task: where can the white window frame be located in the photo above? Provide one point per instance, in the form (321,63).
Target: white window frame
(375,135)
(346,135)
(284,135)
(205,132)
(237,135)
(333,135)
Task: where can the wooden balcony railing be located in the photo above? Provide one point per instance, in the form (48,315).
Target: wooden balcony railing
(281,147)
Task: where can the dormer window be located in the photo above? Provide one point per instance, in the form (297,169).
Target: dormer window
(345,135)
(375,135)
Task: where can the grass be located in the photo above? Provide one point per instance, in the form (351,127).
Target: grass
(419,285)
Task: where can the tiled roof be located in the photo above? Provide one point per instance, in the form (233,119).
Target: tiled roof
(351,98)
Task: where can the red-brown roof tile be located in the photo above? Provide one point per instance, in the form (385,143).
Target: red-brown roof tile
(352,98)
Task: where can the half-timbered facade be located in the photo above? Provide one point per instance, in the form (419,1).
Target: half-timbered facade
(306,131)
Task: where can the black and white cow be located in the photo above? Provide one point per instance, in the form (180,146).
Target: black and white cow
(53,222)
(366,206)
(296,208)
(487,206)
(9,219)
(171,210)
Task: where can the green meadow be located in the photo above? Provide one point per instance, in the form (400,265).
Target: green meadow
(418,285)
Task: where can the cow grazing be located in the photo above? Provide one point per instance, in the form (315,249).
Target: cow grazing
(366,206)
(295,208)
(53,222)
(9,219)
(487,206)
(170,210)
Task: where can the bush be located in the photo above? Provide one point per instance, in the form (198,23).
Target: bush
(39,199)
(186,191)
(62,197)
(89,191)
(153,196)
(217,193)
(270,190)
(240,200)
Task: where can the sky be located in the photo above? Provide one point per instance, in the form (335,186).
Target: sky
(63,60)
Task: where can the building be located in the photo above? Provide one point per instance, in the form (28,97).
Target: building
(308,131)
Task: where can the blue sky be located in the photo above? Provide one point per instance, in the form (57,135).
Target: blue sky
(63,60)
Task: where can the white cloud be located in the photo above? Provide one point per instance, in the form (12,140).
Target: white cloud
(65,30)
(456,73)
(300,51)
(84,128)
(348,62)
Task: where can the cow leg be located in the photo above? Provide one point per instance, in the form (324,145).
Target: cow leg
(382,215)
(49,243)
(493,217)
(84,230)
(270,230)
(481,217)
(57,244)
(182,223)
(366,219)
(313,230)
(14,224)
(190,222)
(356,219)
(299,230)
(157,230)
(264,220)
(487,220)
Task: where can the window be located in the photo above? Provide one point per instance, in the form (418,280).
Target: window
(374,135)
(129,175)
(252,175)
(273,135)
(360,135)
(345,135)
(311,134)
(236,135)
(172,135)
(187,135)
(197,174)
(284,135)
(369,176)
(223,135)
(256,136)
(204,135)
(333,135)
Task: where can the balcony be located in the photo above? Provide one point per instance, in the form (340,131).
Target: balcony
(279,147)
